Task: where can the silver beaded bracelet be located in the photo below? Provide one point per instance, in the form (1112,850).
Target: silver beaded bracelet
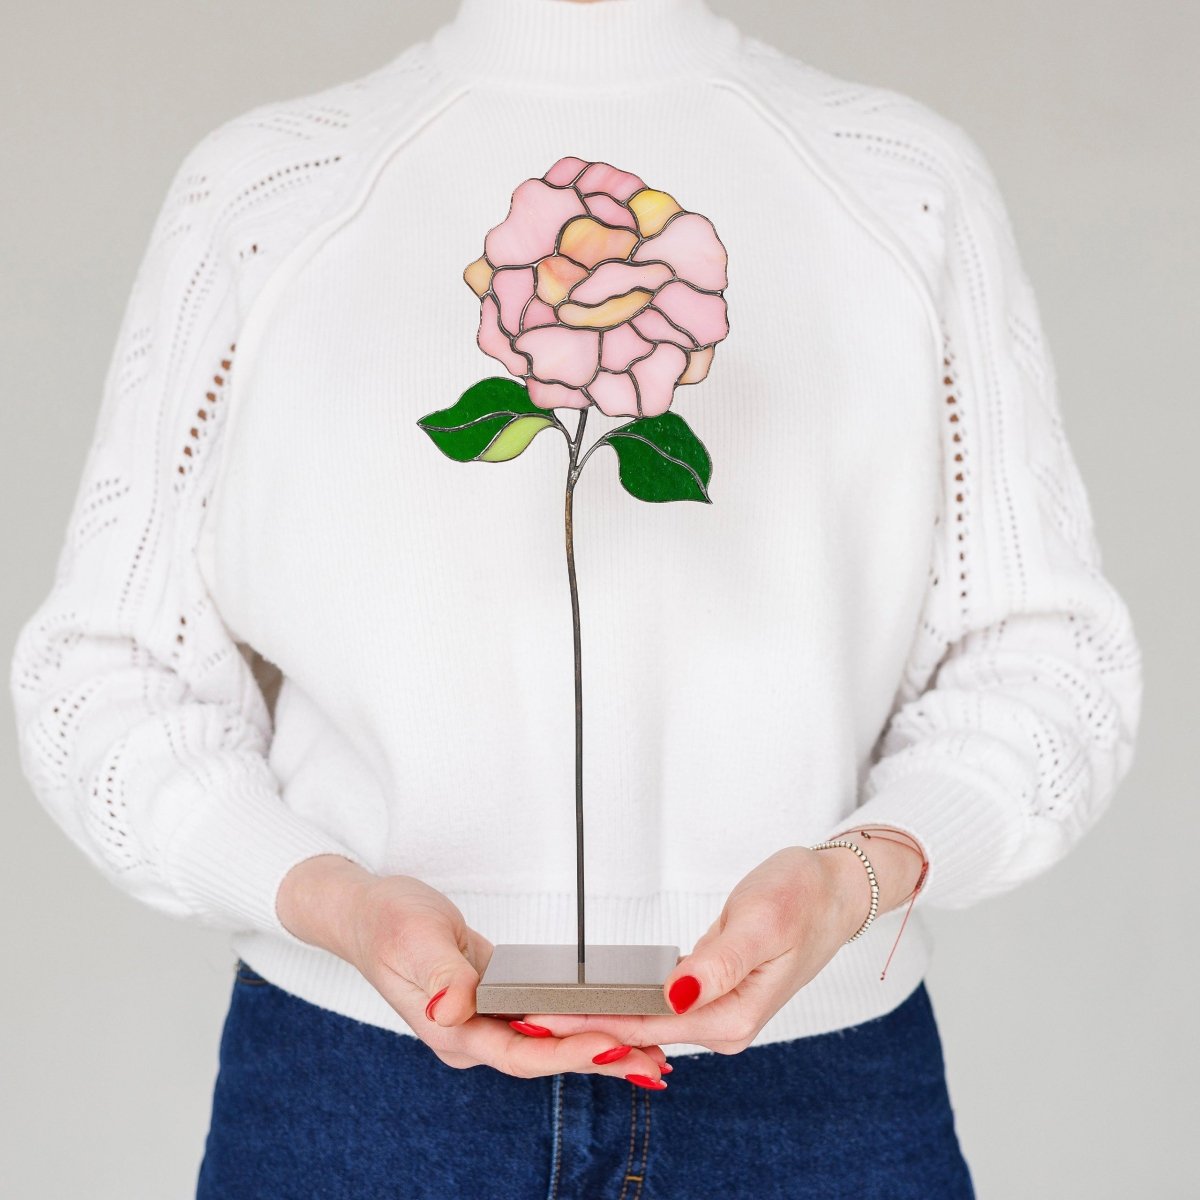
(870,875)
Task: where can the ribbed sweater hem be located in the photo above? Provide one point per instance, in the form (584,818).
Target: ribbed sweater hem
(847,991)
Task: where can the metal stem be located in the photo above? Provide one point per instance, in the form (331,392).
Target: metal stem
(572,475)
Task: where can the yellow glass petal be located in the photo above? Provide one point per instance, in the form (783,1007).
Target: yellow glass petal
(698,363)
(652,210)
(588,242)
(604,316)
(556,276)
(479,275)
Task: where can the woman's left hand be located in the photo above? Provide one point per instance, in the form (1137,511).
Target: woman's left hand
(781,924)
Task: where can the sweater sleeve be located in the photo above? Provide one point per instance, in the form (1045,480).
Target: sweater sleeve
(1019,712)
(141,727)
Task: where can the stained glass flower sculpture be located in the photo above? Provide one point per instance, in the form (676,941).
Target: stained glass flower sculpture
(595,290)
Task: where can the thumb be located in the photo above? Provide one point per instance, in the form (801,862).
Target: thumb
(434,959)
(720,960)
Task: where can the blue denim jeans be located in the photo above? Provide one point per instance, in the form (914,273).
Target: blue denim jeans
(312,1104)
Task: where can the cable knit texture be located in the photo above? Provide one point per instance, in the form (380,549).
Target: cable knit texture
(892,611)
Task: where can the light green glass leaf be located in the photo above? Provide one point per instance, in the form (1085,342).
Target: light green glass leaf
(513,438)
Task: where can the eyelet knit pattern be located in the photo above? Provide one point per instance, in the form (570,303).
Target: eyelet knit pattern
(893,612)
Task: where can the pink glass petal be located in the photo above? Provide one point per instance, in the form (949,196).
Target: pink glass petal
(564,171)
(538,313)
(512,286)
(554,395)
(606,209)
(650,323)
(690,244)
(601,177)
(700,313)
(614,394)
(616,278)
(656,377)
(561,355)
(492,340)
(620,346)
(538,211)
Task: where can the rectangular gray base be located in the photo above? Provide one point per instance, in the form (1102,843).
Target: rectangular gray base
(626,980)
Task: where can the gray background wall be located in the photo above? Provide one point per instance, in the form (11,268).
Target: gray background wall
(1067,1007)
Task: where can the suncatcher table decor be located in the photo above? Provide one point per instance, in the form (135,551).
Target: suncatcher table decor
(594,290)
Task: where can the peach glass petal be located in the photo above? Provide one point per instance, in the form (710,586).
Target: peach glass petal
(588,242)
(479,276)
(612,312)
(565,171)
(556,276)
(703,315)
(653,325)
(602,177)
(690,244)
(620,346)
(492,340)
(560,355)
(513,287)
(537,313)
(652,210)
(616,278)
(656,377)
(614,394)
(538,211)
(698,363)
(605,208)
(554,395)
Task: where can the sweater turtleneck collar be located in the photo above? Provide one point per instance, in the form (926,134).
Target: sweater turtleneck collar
(564,44)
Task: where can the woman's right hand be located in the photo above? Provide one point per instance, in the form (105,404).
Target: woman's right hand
(410,941)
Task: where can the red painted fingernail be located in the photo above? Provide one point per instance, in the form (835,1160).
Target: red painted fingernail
(531,1029)
(666,1068)
(612,1054)
(429,1006)
(646,1082)
(683,992)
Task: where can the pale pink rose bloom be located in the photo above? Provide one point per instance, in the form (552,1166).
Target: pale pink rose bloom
(596,289)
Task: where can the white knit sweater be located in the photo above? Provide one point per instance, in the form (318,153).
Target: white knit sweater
(892,610)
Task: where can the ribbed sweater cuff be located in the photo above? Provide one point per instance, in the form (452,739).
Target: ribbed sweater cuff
(229,861)
(968,833)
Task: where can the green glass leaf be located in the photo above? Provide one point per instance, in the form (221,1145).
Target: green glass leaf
(660,458)
(492,421)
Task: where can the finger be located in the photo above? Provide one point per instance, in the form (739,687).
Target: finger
(530,1027)
(659,1055)
(520,1054)
(617,1061)
(724,957)
(650,1033)
(479,951)
(635,1031)
(430,955)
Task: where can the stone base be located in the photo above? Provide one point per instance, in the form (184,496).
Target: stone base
(626,980)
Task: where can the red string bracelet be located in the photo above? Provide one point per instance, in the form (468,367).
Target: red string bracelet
(916,888)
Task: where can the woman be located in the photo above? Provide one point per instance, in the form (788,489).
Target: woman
(884,625)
